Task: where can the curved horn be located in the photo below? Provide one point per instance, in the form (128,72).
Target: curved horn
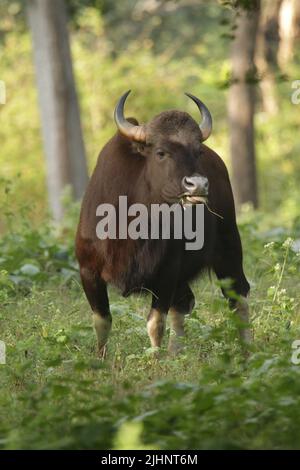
(206,123)
(133,132)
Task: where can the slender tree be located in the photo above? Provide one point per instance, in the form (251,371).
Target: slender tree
(241,102)
(63,142)
(268,40)
(289,25)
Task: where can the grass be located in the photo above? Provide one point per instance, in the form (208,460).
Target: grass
(55,393)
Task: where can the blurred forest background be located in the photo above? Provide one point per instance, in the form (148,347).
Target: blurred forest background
(64,64)
(238,63)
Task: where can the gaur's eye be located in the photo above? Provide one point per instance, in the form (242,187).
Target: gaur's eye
(161,154)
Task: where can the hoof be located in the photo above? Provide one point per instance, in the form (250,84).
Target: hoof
(175,346)
(102,352)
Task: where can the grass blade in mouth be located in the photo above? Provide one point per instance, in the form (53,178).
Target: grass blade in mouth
(186,199)
(192,198)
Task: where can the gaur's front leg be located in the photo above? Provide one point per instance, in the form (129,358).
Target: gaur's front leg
(156,321)
(182,304)
(163,294)
(156,325)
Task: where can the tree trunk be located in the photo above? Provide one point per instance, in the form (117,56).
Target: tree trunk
(63,142)
(289,31)
(241,103)
(266,53)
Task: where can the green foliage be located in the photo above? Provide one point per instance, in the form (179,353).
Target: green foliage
(55,393)
(247,5)
(35,254)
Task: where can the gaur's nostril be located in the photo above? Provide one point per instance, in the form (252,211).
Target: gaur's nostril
(189,183)
(195,184)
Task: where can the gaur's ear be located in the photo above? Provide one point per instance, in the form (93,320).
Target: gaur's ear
(132,120)
(142,149)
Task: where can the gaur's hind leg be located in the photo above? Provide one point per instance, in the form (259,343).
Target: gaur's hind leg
(96,292)
(229,265)
(183,303)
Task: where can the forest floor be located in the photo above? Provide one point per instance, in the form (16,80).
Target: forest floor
(56,393)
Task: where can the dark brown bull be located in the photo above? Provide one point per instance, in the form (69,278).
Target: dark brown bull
(157,163)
